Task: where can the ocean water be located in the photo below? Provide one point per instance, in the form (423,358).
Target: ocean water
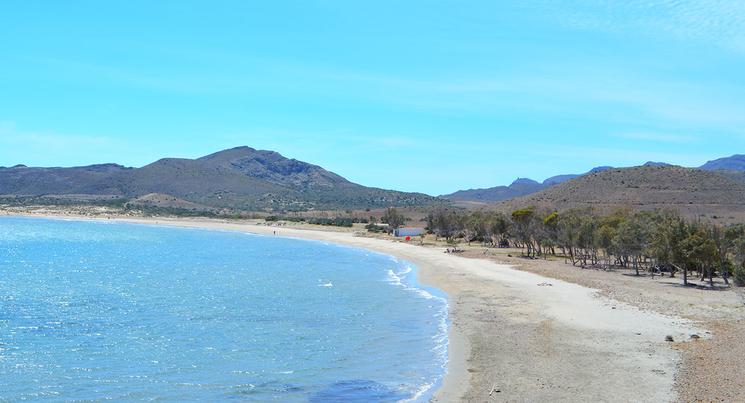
(95,311)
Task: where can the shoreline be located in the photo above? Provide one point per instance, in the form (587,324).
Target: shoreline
(454,382)
(513,334)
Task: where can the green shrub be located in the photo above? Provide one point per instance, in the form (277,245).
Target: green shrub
(738,276)
(375,228)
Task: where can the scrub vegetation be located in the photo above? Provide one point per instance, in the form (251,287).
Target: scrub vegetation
(659,242)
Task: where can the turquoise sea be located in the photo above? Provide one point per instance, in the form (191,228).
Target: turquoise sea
(98,311)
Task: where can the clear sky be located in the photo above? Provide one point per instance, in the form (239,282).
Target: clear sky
(429,96)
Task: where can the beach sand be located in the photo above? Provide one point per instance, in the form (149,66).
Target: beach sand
(520,336)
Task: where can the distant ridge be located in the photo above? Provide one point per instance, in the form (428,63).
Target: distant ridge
(732,167)
(237,178)
(520,187)
(656,164)
(732,163)
(690,190)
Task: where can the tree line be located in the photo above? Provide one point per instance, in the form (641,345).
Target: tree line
(660,241)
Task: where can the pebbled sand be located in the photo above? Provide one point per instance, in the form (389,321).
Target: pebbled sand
(518,336)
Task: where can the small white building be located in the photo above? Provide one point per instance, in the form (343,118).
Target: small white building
(408,231)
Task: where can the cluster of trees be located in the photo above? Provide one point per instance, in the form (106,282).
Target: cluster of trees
(393,218)
(329,221)
(655,241)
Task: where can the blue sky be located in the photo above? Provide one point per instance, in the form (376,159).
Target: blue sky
(429,96)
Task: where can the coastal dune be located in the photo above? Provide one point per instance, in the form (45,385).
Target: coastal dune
(519,336)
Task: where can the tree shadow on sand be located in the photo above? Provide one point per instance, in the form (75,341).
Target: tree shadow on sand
(703,287)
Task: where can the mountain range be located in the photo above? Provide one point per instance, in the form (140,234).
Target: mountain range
(732,167)
(692,191)
(520,187)
(239,178)
(247,179)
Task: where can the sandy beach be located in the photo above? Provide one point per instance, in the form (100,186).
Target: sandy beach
(569,175)
(520,336)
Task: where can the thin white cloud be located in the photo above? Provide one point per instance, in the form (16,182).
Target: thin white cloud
(10,135)
(567,89)
(616,156)
(657,137)
(132,77)
(564,88)
(719,22)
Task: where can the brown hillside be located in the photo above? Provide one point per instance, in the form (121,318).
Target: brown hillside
(239,178)
(694,192)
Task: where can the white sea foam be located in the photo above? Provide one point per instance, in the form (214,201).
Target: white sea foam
(405,271)
(399,278)
(440,338)
(419,393)
(393,278)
